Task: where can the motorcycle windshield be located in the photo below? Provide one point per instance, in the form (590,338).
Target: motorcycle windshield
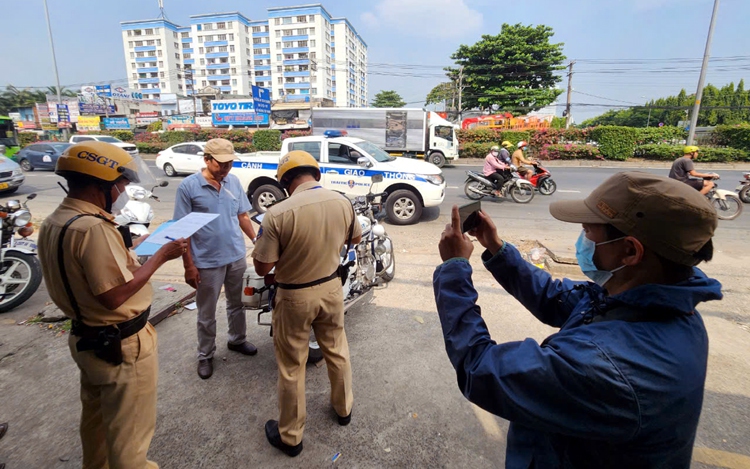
(147,178)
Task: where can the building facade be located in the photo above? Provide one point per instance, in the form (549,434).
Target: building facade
(300,53)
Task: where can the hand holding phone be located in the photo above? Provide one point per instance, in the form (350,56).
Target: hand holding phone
(469,215)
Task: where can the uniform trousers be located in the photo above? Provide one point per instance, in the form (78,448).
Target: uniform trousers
(295,311)
(118,414)
(207,295)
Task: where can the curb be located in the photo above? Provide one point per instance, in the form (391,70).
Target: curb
(631,164)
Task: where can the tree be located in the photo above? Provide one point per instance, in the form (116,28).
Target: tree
(441,94)
(514,70)
(388,99)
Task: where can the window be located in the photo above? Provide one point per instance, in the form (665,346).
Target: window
(130,32)
(312,31)
(200,39)
(185,35)
(257,29)
(313,55)
(312,148)
(288,32)
(229,24)
(311,18)
(247,40)
(302,32)
(288,44)
(280,81)
(277,22)
(301,43)
(200,50)
(231,37)
(139,54)
(130,44)
(289,79)
(314,90)
(161,64)
(132,55)
(342,154)
(278,33)
(175,35)
(221,37)
(187,56)
(258,62)
(231,48)
(203,82)
(135,76)
(149,31)
(163,85)
(138,43)
(161,74)
(247,51)
(222,48)
(150,42)
(287,20)
(231,59)
(278,69)
(258,40)
(247,30)
(278,45)
(177,56)
(234,81)
(207,27)
(234,71)
(258,51)
(176,45)
(302,19)
(221,26)
(259,74)
(159,52)
(278,57)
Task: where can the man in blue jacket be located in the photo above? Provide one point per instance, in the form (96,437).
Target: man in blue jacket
(621,383)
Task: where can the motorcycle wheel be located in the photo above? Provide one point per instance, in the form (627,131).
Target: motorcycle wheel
(386,263)
(728,209)
(521,195)
(547,187)
(471,194)
(745,194)
(20,276)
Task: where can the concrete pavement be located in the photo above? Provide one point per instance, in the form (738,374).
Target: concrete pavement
(408,411)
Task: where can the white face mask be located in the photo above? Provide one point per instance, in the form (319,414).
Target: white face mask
(120,202)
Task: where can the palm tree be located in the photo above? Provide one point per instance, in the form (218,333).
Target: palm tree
(63,91)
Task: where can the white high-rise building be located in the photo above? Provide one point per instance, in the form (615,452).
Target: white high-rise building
(298,52)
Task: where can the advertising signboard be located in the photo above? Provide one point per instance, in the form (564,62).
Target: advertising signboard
(88,123)
(236,112)
(204,121)
(116,123)
(261,100)
(63,116)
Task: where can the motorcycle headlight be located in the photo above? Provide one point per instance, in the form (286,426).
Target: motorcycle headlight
(360,199)
(436,179)
(139,194)
(21,218)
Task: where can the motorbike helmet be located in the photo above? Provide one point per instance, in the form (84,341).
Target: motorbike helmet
(690,149)
(506,144)
(494,148)
(97,160)
(522,144)
(291,164)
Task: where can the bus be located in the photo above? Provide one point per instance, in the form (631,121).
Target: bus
(8,136)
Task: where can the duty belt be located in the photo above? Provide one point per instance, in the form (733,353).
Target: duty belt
(299,286)
(127,328)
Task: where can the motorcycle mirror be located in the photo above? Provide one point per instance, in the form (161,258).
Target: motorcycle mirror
(164,184)
(376,178)
(31,196)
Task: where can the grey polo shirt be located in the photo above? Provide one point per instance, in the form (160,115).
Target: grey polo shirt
(221,242)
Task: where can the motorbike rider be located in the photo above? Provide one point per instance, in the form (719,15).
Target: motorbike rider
(683,168)
(519,160)
(495,169)
(302,237)
(505,153)
(97,281)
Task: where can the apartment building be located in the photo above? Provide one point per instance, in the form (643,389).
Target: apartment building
(298,52)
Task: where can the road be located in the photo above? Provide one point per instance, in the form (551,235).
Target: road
(408,411)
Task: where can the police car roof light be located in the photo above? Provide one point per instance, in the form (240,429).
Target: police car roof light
(334,133)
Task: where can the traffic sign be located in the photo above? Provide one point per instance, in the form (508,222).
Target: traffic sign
(261,100)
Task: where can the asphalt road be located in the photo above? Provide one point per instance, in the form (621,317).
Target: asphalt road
(409,412)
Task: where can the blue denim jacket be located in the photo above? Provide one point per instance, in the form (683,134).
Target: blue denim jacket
(602,394)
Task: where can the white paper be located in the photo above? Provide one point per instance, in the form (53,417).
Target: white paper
(183,228)
(192,306)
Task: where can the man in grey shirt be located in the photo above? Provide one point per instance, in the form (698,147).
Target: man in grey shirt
(683,168)
(217,251)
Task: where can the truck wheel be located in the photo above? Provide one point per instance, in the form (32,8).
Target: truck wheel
(265,196)
(437,158)
(403,207)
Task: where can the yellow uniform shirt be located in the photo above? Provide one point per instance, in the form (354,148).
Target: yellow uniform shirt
(96,261)
(305,233)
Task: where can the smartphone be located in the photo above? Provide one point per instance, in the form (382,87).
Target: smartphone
(469,214)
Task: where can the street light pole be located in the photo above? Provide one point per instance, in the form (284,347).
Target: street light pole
(54,62)
(702,79)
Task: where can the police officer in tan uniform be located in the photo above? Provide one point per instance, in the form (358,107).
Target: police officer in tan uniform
(97,281)
(302,237)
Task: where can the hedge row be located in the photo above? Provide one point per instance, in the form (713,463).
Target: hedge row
(734,136)
(707,154)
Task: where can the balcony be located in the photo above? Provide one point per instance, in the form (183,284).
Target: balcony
(295,38)
(149,90)
(188,51)
(262,56)
(216,55)
(297,86)
(148,80)
(219,66)
(215,43)
(262,67)
(297,62)
(148,70)
(188,82)
(261,34)
(144,48)
(189,61)
(187,40)
(262,45)
(225,88)
(145,59)
(217,77)
(304,73)
(264,78)
(295,50)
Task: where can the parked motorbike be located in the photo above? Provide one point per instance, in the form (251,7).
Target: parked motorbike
(372,263)
(20,270)
(137,213)
(477,186)
(743,189)
(727,204)
(542,180)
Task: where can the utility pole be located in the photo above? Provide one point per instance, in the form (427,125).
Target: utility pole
(570,90)
(460,93)
(54,62)
(702,79)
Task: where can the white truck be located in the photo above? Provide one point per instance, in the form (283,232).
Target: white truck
(347,165)
(398,131)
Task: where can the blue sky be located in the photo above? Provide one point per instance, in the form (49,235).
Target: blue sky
(422,34)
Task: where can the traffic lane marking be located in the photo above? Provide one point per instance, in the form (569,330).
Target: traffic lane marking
(715,457)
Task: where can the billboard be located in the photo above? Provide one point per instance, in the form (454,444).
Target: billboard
(236,112)
(185,106)
(63,116)
(204,121)
(70,102)
(180,120)
(88,123)
(116,123)
(261,100)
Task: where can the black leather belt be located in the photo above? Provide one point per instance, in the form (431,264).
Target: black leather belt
(127,328)
(298,286)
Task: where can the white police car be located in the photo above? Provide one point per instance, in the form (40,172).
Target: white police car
(346,165)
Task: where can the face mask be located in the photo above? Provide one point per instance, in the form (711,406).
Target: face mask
(585,249)
(121,201)
(494,153)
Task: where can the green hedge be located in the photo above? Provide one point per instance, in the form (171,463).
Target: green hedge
(150,147)
(267,140)
(734,136)
(706,155)
(26,138)
(615,142)
(475,150)
(492,136)
(666,134)
(570,151)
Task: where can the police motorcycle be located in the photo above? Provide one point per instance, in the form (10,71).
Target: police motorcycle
(477,187)
(370,263)
(20,270)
